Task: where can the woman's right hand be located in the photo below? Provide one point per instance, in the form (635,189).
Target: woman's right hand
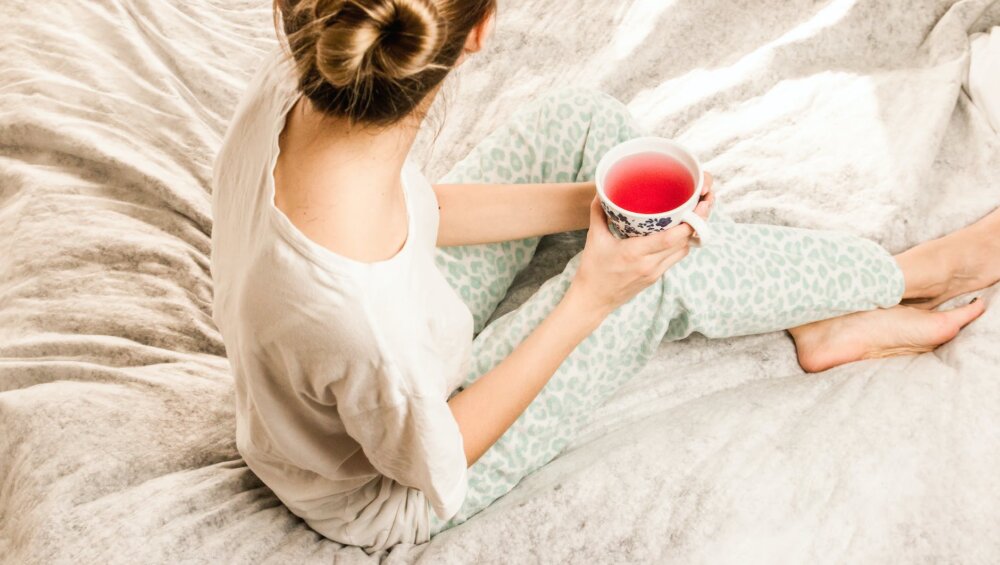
(613,270)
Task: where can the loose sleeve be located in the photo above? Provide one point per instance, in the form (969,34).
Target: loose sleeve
(416,442)
(399,414)
(395,408)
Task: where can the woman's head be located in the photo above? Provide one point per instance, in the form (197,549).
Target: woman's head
(374,61)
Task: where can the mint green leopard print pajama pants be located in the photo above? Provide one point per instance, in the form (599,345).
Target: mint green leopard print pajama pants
(753,279)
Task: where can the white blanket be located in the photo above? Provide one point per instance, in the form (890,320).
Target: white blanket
(116,422)
(983,81)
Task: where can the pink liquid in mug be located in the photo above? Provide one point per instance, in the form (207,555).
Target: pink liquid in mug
(648,183)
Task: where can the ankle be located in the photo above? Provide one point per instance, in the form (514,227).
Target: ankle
(810,349)
(812,333)
(927,270)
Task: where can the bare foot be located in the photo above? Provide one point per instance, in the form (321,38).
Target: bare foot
(963,261)
(873,334)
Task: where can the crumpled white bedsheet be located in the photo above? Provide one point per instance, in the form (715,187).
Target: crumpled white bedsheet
(116,423)
(983,81)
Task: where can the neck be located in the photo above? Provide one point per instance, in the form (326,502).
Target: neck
(330,160)
(358,147)
(363,147)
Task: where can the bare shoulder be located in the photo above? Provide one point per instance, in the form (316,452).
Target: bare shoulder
(341,217)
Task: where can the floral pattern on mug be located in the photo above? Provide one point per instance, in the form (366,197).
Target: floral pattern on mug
(632,227)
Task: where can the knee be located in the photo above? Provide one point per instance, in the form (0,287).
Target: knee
(598,100)
(585,101)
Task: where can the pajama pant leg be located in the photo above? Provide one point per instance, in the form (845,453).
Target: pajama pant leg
(558,137)
(752,279)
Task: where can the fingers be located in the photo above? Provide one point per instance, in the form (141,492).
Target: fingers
(674,258)
(678,235)
(704,208)
(598,219)
(655,265)
(658,242)
(676,239)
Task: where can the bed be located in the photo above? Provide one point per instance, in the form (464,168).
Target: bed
(116,418)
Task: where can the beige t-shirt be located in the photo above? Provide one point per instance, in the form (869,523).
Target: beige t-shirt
(342,368)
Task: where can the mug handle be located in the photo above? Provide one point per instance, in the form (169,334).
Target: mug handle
(700,227)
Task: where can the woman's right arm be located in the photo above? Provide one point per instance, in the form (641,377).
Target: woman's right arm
(610,273)
(494,401)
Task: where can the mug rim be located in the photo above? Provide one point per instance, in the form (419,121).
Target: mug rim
(641,145)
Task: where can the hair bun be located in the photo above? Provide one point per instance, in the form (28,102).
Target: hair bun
(388,38)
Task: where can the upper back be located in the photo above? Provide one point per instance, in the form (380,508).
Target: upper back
(348,207)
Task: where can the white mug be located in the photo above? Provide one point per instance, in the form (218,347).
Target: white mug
(625,223)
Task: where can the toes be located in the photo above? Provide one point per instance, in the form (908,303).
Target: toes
(965,314)
(957,318)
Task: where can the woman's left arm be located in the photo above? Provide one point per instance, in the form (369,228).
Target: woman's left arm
(486,213)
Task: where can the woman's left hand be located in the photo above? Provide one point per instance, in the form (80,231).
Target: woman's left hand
(707,200)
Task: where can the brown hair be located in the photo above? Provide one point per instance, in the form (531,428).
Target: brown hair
(374,61)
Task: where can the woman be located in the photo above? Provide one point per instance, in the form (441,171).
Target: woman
(349,290)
